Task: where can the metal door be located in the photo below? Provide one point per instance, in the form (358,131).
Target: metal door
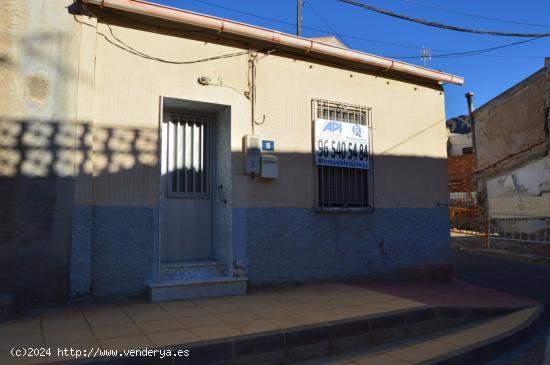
(186,187)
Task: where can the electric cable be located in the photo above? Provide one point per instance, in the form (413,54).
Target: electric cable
(473,52)
(122,45)
(279,21)
(354,37)
(327,24)
(451,11)
(443,26)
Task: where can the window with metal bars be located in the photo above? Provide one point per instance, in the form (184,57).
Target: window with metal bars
(342,188)
(188,155)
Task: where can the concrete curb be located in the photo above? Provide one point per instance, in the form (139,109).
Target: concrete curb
(312,341)
(492,348)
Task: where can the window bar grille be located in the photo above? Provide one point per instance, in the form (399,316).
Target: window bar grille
(356,180)
(179,150)
(201,157)
(188,156)
(195,169)
(207,137)
(188,150)
(172,153)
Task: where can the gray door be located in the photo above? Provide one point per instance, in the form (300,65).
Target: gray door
(186,187)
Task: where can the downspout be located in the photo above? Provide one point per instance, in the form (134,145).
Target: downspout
(487,216)
(252,87)
(470,100)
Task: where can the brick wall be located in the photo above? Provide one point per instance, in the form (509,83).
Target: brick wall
(461,172)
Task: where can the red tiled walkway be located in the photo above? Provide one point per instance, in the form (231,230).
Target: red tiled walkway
(449,294)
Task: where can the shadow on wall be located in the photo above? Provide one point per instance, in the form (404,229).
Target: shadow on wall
(45,174)
(280,237)
(37,68)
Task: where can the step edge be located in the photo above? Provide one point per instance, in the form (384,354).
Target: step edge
(485,344)
(192,264)
(231,341)
(200,281)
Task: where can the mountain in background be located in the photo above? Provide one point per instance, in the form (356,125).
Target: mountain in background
(459,125)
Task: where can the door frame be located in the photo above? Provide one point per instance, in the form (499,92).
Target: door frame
(162,168)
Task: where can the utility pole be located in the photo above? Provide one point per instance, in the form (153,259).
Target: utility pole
(299,18)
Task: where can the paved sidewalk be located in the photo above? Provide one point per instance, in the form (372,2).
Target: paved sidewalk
(142,324)
(455,293)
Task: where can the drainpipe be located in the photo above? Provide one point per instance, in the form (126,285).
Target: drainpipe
(252,87)
(487,217)
(469,97)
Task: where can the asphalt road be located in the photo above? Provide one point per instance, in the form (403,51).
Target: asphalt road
(513,277)
(509,276)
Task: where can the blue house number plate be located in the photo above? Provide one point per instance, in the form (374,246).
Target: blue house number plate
(268,145)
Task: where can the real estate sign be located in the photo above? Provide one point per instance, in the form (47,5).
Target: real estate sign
(341,144)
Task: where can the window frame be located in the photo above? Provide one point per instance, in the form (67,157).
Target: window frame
(207,138)
(317,111)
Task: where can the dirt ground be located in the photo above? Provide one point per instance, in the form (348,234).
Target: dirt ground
(531,252)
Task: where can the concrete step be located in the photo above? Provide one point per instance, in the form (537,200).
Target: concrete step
(197,288)
(424,334)
(473,343)
(174,271)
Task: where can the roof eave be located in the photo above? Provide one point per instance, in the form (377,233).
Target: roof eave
(305,46)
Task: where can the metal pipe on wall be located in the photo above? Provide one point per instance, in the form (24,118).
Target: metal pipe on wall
(470,100)
(252,87)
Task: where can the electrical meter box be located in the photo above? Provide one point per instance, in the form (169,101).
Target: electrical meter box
(251,153)
(270,167)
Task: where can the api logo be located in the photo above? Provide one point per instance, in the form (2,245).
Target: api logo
(333,127)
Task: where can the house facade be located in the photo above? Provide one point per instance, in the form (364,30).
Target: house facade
(461,163)
(513,166)
(150,149)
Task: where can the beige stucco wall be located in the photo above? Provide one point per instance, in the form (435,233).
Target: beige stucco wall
(409,135)
(79,123)
(39,77)
(511,122)
(524,191)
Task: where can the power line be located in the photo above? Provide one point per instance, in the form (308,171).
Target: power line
(279,21)
(474,15)
(471,53)
(443,26)
(327,24)
(120,44)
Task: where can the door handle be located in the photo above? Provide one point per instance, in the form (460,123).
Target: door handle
(221,195)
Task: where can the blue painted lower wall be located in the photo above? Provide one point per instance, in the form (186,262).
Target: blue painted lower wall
(81,252)
(117,251)
(292,244)
(123,253)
